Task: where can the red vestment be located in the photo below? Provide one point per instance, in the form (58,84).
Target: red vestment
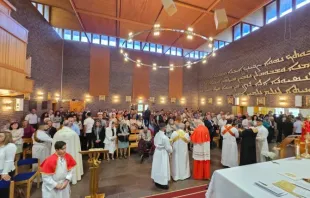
(49,165)
(201,153)
(305,130)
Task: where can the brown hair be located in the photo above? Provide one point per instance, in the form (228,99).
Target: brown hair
(7,137)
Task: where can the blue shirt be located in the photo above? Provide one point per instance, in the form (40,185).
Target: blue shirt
(76,128)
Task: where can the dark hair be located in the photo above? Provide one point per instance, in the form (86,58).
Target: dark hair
(55,114)
(229,121)
(59,144)
(88,114)
(12,125)
(298,118)
(162,125)
(69,116)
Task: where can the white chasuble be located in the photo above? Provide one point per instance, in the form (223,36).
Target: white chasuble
(230,147)
(180,169)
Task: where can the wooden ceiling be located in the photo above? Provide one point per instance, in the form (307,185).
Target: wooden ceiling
(119,17)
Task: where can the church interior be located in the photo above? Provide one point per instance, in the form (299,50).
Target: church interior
(154,98)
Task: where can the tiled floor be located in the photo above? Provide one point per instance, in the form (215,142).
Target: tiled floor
(129,179)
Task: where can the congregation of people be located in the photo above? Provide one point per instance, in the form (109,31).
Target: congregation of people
(170,136)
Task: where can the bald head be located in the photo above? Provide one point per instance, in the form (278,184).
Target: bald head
(180,126)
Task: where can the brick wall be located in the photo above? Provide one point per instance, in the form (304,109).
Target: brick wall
(45,48)
(274,40)
(76,79)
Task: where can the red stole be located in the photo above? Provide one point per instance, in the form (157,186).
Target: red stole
(227,129)
(49,165)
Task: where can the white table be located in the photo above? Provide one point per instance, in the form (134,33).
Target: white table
(238,182)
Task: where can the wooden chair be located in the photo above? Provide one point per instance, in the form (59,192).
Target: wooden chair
(133,141)
(8,184)
(27,177)
(28,149)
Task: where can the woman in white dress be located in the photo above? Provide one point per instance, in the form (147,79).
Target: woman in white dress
(17,134)
(109,141)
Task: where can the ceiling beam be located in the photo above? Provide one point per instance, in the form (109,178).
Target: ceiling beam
(80,21)
(199,18)
(112,17)
(248,14)
(200,9)
(118,14)
(159,13)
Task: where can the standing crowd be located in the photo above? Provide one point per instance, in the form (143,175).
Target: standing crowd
(162,132)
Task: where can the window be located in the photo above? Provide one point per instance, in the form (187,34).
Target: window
(83,37)
(197,54)
(40,8)
(112,41)
(271,12)
(159,49)
(47,13)
(76,36)
(168,52)
(137,45)
(96,39)
(216,45)
(179,52)
(286,6)
(300,3)
(104,40)
(122,43)
(152,47)
(254,28)
(130,45)
(246,29)
(146,47)
(192,55)
(201,54)
(173,51)
(226,43)
(237,32)
(67,35)
(187,56)
(221,44)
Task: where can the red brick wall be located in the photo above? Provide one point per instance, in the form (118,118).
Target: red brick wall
(76,79)
(274,40)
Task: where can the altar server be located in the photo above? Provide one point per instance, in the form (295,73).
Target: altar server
(180,160)
(201,152)
(109,141)
(248,145)
(72,141)
(42,143)
(56,173)
(261,141)
(230,148)
(160,165)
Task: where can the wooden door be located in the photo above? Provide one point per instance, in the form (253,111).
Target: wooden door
(77,106)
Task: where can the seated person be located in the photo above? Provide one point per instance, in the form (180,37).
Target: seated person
(145,141)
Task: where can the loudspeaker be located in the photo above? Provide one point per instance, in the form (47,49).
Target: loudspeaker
(169,7)
(220,18)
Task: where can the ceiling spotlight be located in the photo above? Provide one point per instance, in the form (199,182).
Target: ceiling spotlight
(125,59)
(121,51)
(157,25)
(126,55)
(210,38)
(154,64)
(213,54)
(190,37)
(204,61)
(190,29)
(130,34)
(138,63)
(154,68)
(210,45)
(171,67)
(156,33)
(188,66)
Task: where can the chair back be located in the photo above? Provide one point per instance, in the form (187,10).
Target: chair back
(23,162)
(133,138)
(8,184)
(27,140)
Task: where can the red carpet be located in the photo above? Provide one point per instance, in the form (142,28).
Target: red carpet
(193,192)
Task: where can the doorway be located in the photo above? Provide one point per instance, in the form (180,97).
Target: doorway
(141,108)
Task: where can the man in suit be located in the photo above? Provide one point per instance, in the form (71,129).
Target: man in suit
(210,125)
(147,116)
(50,129)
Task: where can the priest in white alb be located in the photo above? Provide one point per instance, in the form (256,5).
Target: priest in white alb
(41,148)
(72,140)
(160,165)
(56,173)
(230,148)
(261,141)
(180,169)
